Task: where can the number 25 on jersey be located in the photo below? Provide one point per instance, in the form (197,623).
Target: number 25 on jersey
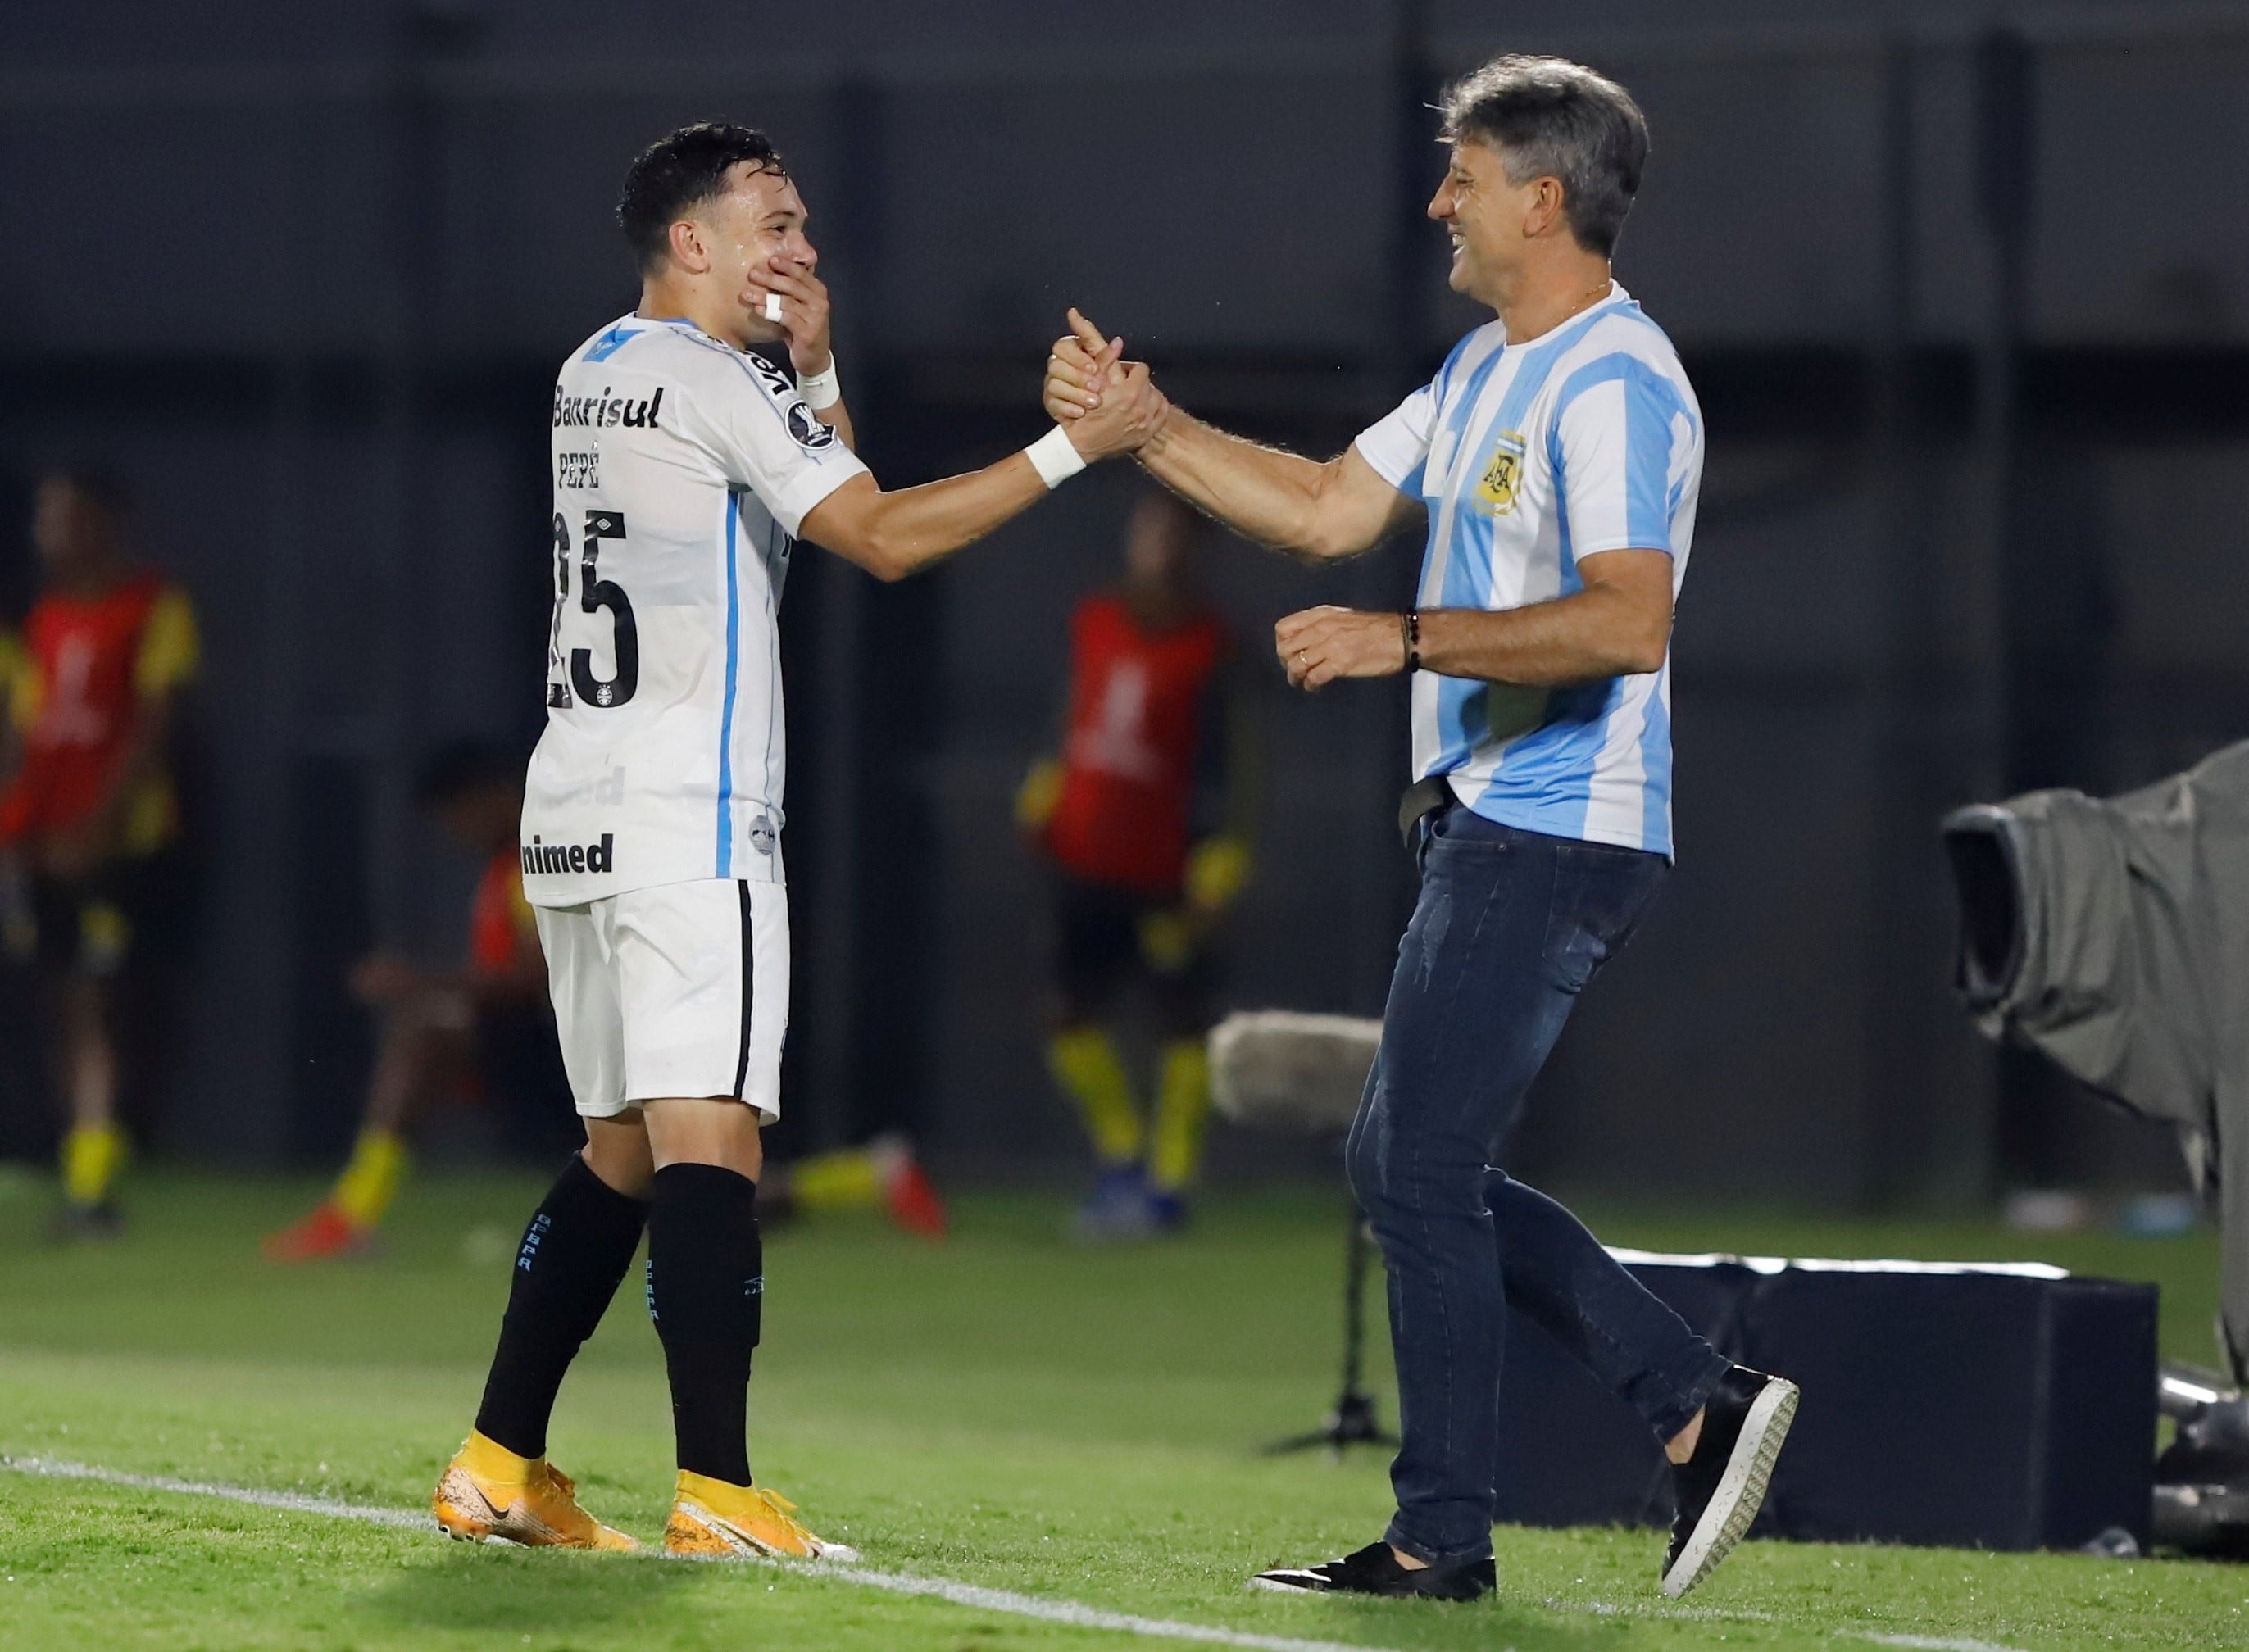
(594,593)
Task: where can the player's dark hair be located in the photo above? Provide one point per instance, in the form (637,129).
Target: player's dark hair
(104,490)
(676,174)
(454,770)
(1551,118)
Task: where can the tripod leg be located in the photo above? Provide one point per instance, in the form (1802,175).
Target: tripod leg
(1353,1422)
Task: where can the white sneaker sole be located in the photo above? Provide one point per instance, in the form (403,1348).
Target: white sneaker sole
(1741,1490)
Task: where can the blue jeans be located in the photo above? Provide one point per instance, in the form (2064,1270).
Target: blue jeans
(1510,926)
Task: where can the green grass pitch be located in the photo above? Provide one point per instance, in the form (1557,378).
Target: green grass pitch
(1003,1411)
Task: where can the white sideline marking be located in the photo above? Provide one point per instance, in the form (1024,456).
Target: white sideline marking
(295,1502)
(1070,1612)
(966,1594)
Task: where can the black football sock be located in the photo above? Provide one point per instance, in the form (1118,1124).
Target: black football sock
(573,1256)
(705,1292)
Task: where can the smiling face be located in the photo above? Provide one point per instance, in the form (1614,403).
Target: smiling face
(1490,218)
(726,241)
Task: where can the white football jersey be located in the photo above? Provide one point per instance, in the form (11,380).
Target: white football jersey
(682,469)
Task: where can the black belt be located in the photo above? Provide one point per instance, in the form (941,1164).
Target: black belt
(1422,798)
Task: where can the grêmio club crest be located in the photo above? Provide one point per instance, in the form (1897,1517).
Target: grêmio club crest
(1504,475)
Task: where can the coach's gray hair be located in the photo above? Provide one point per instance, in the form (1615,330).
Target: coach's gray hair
(1551,118)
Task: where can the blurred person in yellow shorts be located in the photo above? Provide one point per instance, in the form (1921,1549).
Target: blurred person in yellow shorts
(88,807)
(1144,817)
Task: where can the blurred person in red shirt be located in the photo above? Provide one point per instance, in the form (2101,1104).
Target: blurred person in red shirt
(1144,816)
(89,803)
(484,1031)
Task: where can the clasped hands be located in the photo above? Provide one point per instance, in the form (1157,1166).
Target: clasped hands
(1108,405)
(1089,381)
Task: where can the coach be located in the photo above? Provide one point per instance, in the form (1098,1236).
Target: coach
(1557,457)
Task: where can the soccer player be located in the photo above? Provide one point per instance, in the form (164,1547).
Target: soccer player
(1557,456)
(1144,816)
(685,469)
(105,650)
(487,1027)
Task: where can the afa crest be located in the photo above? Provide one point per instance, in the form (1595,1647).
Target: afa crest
(1504,476)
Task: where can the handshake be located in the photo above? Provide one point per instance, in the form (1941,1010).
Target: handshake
(1107,405)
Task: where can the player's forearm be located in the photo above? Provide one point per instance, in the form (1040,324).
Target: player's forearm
(1581,638)
(1260,492)
(892,535)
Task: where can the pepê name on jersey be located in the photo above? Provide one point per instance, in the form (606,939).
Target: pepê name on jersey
(550,857)
(600,412)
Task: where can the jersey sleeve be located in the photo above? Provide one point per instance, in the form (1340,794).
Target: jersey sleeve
(1622,431)
(170,649)
(766,438)
(1397,445)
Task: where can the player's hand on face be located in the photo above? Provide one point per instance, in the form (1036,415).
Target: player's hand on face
(804,312)
(1323,645)
(1077,370)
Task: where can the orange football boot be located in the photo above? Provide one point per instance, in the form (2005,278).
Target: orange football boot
(488,1491)
(712,1520)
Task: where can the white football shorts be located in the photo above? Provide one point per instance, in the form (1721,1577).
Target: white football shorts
(681,990)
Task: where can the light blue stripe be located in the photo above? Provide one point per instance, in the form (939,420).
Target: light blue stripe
(1453,741)
(1546,783)
(1463,708)
(1531,378)
(733,683)
(608,343)
(1651,402)
(1443,382)
(776,573)
(1655,766)
(1464,409)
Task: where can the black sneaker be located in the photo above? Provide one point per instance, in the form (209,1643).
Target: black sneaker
(1375,1570)
(1722,1485)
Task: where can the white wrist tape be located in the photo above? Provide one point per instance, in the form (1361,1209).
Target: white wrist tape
(1054,459)
(822,389)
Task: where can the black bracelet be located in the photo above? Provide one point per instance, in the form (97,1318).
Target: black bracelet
(1412,620)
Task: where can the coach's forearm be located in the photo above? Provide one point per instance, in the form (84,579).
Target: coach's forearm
(892,535)
(1584,637)
(1262,493)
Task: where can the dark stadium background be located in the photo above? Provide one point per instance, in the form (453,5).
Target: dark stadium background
(1969,312)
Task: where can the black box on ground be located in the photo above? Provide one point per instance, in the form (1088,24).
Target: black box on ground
(2005,1407)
